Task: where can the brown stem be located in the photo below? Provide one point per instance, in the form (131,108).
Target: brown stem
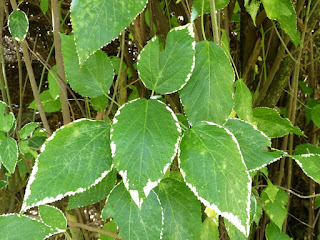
(59,61)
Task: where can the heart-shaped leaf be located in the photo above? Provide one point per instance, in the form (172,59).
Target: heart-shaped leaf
(168,70)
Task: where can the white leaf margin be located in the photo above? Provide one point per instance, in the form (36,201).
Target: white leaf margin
(245,229)
(33,219)
(24,36)
(150,185)
(15,165)
(61,195)
(58,229)
(301,165)
(189,26)
(262,133)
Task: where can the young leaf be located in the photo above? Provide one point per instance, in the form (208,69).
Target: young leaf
(272,124)
(49,104)
(111,227)
(6,120)
(310,164)
(275,209)
(179,205)
(209,230)
(28,129)
(53,217)
(315,115)
(94,194)
(243,101)
(74,158)
(213,168)
(92,79)
(14,227)
(252,8)
(92,21)
(9,153)
(134,222)
(197,7)
(18,24)
(144,146)
(171,68)
(208,94)
(252,143)
(284,13)
(306,148)
(273,232)
(44,5)
(54,88)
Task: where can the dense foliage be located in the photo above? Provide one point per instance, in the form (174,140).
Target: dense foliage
(159,119)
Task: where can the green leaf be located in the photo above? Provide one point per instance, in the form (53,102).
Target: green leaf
(243,101)
(274,233)
(215,171)
(6,120)
(306,149)
(233,232)
(134,94)
(99,103)
(315,115)
(94,77)
(305,88)
(48,103)
(209,230)
(9,153)
(18,24)
(53,217)
(308,109)
(252,143)
(54,88)
(310,164)
(197,7)
(92,21)
(115,61)
(171,68)
(110,227)
(252,8)
(179,205)
(134,223)
(208,94)
(143,147)
(272,124)
(28,129)
(75,158)
(3,184)
(44,5)
(275,209)
(284,13)
(13,227)
(94,194)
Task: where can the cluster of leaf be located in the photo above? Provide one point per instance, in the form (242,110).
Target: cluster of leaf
(217,154)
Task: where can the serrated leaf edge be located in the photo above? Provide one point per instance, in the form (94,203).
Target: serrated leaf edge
(62,195)
(24,36)
(245,229)
(60,212)
(150,185)
(301,165)
(189,26)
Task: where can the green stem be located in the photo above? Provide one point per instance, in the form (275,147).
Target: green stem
(214,21)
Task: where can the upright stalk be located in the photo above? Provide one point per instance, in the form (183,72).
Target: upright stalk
(59,61)
(214,21)
(32,79)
